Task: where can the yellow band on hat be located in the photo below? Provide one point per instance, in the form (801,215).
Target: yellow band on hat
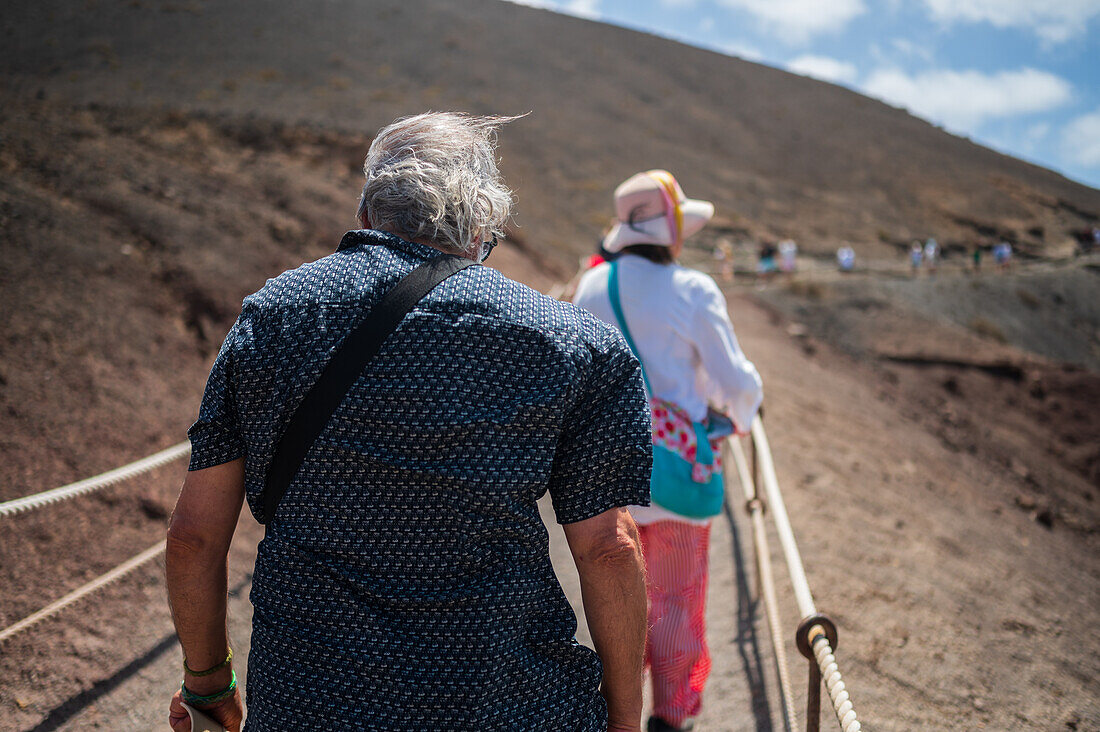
(672,191)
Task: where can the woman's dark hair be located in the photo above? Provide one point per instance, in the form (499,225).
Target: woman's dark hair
(653,252)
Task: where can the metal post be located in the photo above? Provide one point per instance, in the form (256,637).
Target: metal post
(755,462)
(809,631)
(813,699)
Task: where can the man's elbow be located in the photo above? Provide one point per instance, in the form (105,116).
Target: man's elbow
(186,542)
(621,549)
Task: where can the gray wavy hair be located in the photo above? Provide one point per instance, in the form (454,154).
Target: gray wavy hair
(434,176)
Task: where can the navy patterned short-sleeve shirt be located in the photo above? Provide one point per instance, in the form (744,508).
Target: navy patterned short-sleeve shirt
(405,582)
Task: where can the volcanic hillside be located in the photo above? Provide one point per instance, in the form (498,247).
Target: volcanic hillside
(938,438)
(780,154)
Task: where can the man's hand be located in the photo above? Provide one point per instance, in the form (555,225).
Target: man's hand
(228,713)
(608,555)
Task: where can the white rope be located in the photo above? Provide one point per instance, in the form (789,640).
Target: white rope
(782,523)
(823,652)
(95,483)
(59,605)
(767,584)
(830,674)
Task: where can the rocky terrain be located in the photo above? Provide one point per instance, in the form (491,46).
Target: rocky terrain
(937,437)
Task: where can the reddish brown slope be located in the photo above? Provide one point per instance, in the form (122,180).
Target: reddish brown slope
(130,233)
(779,153)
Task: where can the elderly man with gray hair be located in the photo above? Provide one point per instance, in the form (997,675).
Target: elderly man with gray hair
(394,444)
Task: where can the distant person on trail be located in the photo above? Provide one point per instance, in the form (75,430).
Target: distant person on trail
(931,252)
(788,256)
(846,258)
(1002,255)
(404,581)
(601,255)
(1088,241)
(676,321)
(723,252)
(916,257)
(566,291)
(766,266)
(977,258)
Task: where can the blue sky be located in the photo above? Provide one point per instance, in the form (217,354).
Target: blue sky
(1021,76)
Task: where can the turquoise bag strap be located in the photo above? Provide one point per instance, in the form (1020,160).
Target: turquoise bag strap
(617,308)
(703,454)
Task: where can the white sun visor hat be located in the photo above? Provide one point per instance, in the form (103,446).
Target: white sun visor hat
(651,209)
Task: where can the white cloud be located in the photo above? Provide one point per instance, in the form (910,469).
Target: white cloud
(543,4)
(1081,140)
(583,8)
(706,24)
(1027,141)
(740,49)
(963,100)
(824,68)
(908,48)
(1036,132)
(1053,21)
(797,20)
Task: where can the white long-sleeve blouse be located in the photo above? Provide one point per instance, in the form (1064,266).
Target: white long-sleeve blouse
(680,325)
(681,328)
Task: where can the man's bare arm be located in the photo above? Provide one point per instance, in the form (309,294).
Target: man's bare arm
(201,530)
(608,555)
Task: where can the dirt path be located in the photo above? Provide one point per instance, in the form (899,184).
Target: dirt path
(955,607)
(136,692)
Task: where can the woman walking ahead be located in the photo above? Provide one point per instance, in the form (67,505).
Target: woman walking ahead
(698,381)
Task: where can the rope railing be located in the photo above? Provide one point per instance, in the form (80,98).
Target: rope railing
(84,590)
(763,452)
(834,684)
(79,488)
(816,636)
(94,483)
(755,507)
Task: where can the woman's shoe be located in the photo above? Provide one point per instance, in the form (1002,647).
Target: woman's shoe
(656,724)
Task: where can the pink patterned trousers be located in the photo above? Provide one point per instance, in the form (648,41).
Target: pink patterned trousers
(676,648)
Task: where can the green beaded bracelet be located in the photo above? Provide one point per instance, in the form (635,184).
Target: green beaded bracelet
(196,700)
(212,669)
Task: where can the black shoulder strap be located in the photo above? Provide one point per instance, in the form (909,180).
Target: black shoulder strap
(356,351)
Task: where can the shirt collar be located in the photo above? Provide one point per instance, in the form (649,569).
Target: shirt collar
(373,237)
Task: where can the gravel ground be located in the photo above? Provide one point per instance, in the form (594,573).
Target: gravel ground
(134,696)
(957,606)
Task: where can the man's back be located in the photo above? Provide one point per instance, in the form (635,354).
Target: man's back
(405,582)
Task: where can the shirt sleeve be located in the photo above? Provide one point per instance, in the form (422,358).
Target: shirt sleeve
(216,435)
(733,380)
(604,456)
